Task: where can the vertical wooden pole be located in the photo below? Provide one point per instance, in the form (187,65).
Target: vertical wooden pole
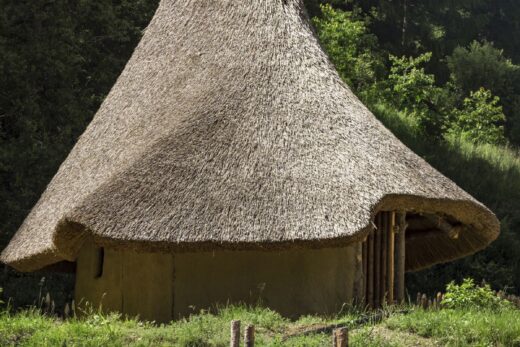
(370,256)
(384,250)
(391,260)
(377,262)
(235,334)
(365,271)
(249,336)
(340,337)
(401,257)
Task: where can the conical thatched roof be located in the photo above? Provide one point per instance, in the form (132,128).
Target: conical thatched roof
(229,128)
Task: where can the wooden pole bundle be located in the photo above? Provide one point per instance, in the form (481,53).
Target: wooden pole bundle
(340,337)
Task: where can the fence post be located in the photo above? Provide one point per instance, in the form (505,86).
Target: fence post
(235,333)
(424,302)
(340,337)
(249,336)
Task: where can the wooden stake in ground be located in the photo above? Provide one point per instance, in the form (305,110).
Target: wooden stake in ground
(235,334)
(391,259)
(249,336)
(340,337)
(424,302)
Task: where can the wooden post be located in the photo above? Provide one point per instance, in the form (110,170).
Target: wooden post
(384,255)
(370,255)
(401,257)
(377,262)
(340,337)
(235,333)
(391,260)
(249,336)
(66,311)
(424,301)
(365,271)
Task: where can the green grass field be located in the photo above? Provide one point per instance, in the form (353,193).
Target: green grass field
(416,328)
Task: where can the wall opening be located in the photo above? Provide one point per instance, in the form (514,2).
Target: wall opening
(100,262)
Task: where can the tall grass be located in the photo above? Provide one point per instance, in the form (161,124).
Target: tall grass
(451,327)
(462,327)
(31,328)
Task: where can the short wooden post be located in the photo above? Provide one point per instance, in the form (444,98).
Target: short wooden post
(235,333)
(66,311)
(424,301)
(249,336)
(73,308)
(401,257)
(418,299)
(340,337)
(391,259)
(48,303)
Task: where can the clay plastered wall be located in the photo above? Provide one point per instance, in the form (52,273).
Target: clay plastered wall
(137,284)
(291,282)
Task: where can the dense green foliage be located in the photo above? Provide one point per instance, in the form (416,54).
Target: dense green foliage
(478,120)
(457,126)
(442,75)
(469,295)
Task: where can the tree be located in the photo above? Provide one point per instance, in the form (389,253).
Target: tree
(352,49)
(480,119)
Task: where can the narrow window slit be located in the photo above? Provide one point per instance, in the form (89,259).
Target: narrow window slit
(100,260)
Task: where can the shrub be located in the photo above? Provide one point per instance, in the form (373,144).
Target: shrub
(414,91)
(468,295)
(480,120)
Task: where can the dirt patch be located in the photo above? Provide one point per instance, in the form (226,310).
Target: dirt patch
(400,338)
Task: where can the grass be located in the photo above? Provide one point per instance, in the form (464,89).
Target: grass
(462,327)
(31,328)
(418,328)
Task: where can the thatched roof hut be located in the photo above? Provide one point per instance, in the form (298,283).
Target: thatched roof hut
(230,129)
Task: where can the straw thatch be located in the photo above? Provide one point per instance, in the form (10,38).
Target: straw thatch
(229,128)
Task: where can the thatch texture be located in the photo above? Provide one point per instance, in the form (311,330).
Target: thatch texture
(229,128)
